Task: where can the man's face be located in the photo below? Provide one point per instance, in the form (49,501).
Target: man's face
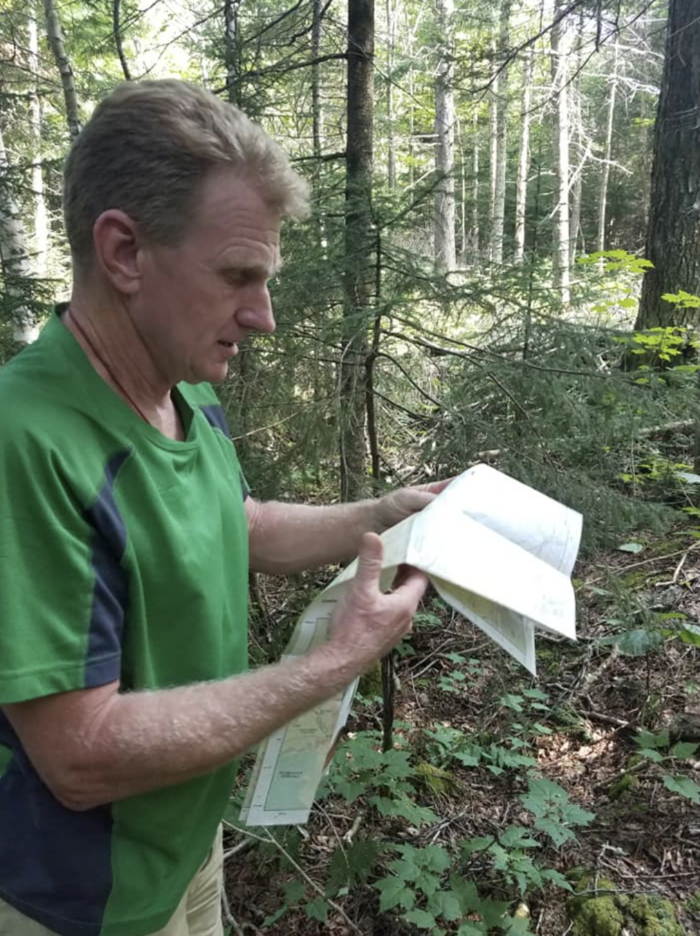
(199,300)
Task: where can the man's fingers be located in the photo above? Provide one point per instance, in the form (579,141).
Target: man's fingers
(369,561)
(411,587)
(436,487)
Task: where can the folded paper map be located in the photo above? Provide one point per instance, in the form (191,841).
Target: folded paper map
(497,551)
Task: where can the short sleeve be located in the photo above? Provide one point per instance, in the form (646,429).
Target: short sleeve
(62,591)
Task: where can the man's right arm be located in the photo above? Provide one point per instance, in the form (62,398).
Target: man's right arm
(95,746)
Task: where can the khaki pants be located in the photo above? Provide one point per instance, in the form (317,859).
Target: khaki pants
(198,914)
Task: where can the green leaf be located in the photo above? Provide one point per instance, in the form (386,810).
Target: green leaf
(690,634)
(406,869)
(470,928)
(556,877)
(466,893)
(647,739)
(420,918)
(558,833)
(631,547)
(293,891)
(435,858)
(640,641)
(683,785)
(683,749)
(653,756)
(317,910)
(446,905)
(394,893)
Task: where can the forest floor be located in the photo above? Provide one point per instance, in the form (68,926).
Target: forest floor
(643,838)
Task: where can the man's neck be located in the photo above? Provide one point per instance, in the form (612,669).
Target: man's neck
(115,350)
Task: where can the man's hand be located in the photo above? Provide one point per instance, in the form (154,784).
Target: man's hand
(395,507)
(367,624)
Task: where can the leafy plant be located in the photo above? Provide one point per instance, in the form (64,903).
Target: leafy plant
(657,749)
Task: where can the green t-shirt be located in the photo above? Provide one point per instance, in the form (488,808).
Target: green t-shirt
(123,556)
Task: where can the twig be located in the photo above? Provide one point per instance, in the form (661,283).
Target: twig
(319,890)
(636,565)
(352,831)
(228,916)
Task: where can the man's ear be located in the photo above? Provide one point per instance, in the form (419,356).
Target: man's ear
(117,243)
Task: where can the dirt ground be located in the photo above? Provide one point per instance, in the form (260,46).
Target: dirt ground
(644,838)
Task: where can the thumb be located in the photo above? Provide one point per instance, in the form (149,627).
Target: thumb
(369,561)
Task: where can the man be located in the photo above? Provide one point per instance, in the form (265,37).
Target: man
(126,533)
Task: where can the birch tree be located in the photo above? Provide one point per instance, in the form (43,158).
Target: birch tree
(523,157)
(41,233)
(560,93)
(17,266)
(500,144)
(444,223)
(56,41)
(607,152)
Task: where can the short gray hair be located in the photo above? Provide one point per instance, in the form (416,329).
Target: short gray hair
(147,149)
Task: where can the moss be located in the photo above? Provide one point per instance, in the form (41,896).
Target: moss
(595,916)
(599,916)
(370,684)
(692,904)
(610,914)
(655,916)
(436,781)
(623,785)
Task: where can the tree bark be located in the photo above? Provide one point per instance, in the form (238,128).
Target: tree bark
(673,237)
(116,8)
(474,232)
(232,51)
(17,267)
(444,220)
(607,155)
(560,93)
(55,36)
(359,247)
(580,151)
(316,108)
(493,149)
(41,226)
(501,136)
(524,158)
(391,143)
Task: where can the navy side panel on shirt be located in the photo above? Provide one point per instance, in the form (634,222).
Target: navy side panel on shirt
(45,848)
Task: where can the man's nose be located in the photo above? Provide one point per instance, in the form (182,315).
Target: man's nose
(256,312)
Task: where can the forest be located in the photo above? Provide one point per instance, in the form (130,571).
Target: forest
(502,265)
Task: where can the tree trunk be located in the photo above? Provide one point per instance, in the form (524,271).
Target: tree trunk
(476,185)
(116,26)
(359,246)
(316,109)
(580,151)
(607,155)
(55,37)
(391,143)
(232,52)
(673,238)
(493,148)
(41,227)
(17,268)
(524,157)
(560,93)
(444,221)
(501,136)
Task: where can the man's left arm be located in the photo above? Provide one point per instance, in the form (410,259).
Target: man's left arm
(287,538)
